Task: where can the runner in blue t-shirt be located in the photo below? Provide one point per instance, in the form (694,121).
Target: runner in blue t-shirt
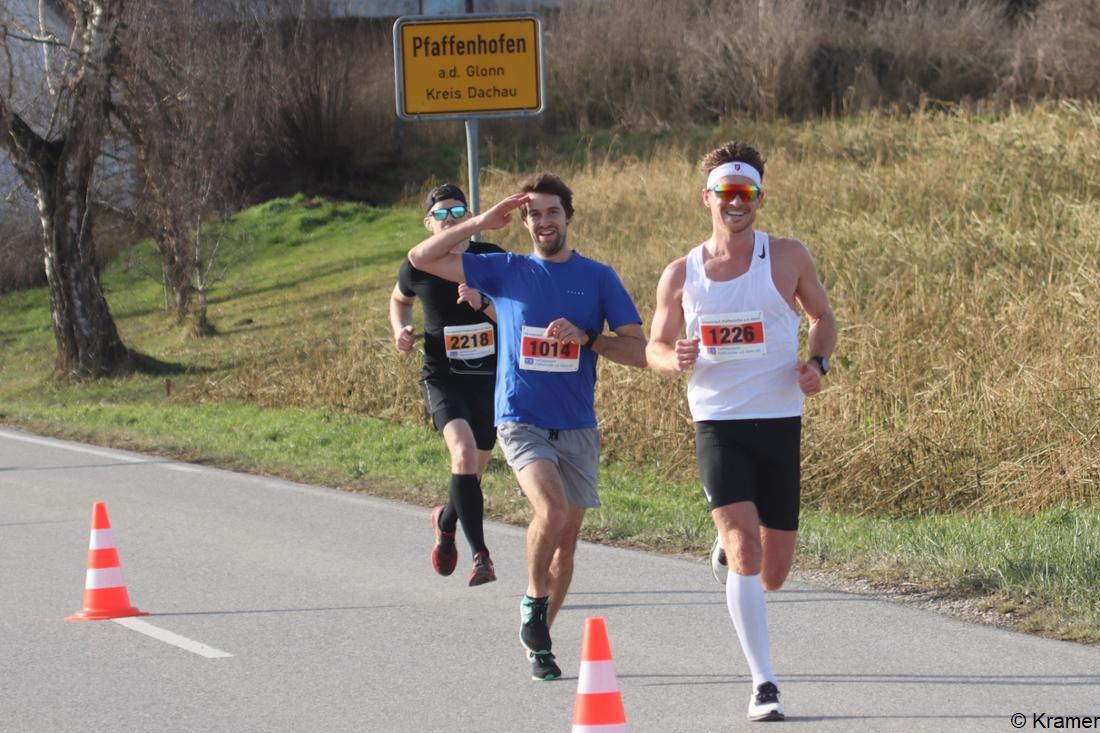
(551,309)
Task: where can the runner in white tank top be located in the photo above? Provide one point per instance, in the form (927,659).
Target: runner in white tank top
(749,342)
(735,297)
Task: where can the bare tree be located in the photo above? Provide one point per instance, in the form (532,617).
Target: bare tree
(199,98)
(56,155)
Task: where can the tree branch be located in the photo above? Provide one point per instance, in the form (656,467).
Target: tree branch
(16,188)
(49,40)
(10,66)
(125,214)
(26,148)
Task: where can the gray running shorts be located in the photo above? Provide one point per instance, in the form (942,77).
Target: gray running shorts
(576,453)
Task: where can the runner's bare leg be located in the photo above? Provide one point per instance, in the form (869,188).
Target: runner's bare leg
(561,568)
(541,483)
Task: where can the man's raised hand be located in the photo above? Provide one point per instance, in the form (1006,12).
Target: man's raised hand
(500,214)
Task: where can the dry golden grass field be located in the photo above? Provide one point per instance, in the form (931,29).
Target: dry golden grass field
(961,253)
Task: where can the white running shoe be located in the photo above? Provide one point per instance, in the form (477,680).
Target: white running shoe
(718,561)
(764,703)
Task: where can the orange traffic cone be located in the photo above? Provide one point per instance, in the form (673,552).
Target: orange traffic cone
(599,707)
(104,591)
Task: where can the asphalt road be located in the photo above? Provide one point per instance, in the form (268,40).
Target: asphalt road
(325,615)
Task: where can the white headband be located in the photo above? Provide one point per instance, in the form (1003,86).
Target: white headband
(735,168)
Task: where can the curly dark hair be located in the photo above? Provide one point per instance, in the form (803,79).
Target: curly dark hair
(731,152)
(549,183)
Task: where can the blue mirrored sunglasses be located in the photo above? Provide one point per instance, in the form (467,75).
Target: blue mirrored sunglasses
(456,212)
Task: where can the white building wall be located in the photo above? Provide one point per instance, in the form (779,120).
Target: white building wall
(27,96)
(221,10)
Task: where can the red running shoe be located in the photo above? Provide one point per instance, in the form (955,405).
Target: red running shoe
(444,554)
(482,571)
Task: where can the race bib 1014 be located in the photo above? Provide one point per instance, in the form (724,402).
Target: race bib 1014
(542,354)
(731,336)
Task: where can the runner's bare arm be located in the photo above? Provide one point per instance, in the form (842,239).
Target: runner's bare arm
(475,299)
(811,296)
(434,254)
(666,352)
(627,346)
(401,315)
(822,337)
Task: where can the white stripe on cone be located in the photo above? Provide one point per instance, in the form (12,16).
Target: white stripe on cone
(596,678)
(613,728)
(103,578)
(102,539)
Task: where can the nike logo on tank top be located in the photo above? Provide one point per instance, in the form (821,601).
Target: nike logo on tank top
(748,342)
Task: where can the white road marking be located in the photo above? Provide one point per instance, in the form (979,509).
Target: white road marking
(303,489)
(183,467)
(75,448)
(195,647)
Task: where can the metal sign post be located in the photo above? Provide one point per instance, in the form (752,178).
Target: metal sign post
(468,67)
(473,169)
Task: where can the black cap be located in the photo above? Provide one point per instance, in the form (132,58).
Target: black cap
(442,193)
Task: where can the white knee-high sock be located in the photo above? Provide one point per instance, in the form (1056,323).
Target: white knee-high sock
(749,611)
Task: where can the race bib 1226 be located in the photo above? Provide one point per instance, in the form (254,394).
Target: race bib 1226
(731,336)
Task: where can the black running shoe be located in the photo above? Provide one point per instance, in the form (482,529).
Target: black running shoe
(543,666)
(534,630)
(764,704)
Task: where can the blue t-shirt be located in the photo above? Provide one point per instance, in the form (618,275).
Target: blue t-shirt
(530,291)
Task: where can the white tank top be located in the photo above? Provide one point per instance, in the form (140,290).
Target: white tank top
(748,342)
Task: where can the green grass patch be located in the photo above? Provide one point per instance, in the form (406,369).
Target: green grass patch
(1040,571)
(1043,569)
(288,271)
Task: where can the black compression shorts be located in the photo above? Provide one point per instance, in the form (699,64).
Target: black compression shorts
(752,460)
(469,399)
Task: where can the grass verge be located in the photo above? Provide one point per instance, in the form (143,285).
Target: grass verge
(1035,573)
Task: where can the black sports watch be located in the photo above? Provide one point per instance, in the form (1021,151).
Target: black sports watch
(592,336)
(822,363)
(485,302)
